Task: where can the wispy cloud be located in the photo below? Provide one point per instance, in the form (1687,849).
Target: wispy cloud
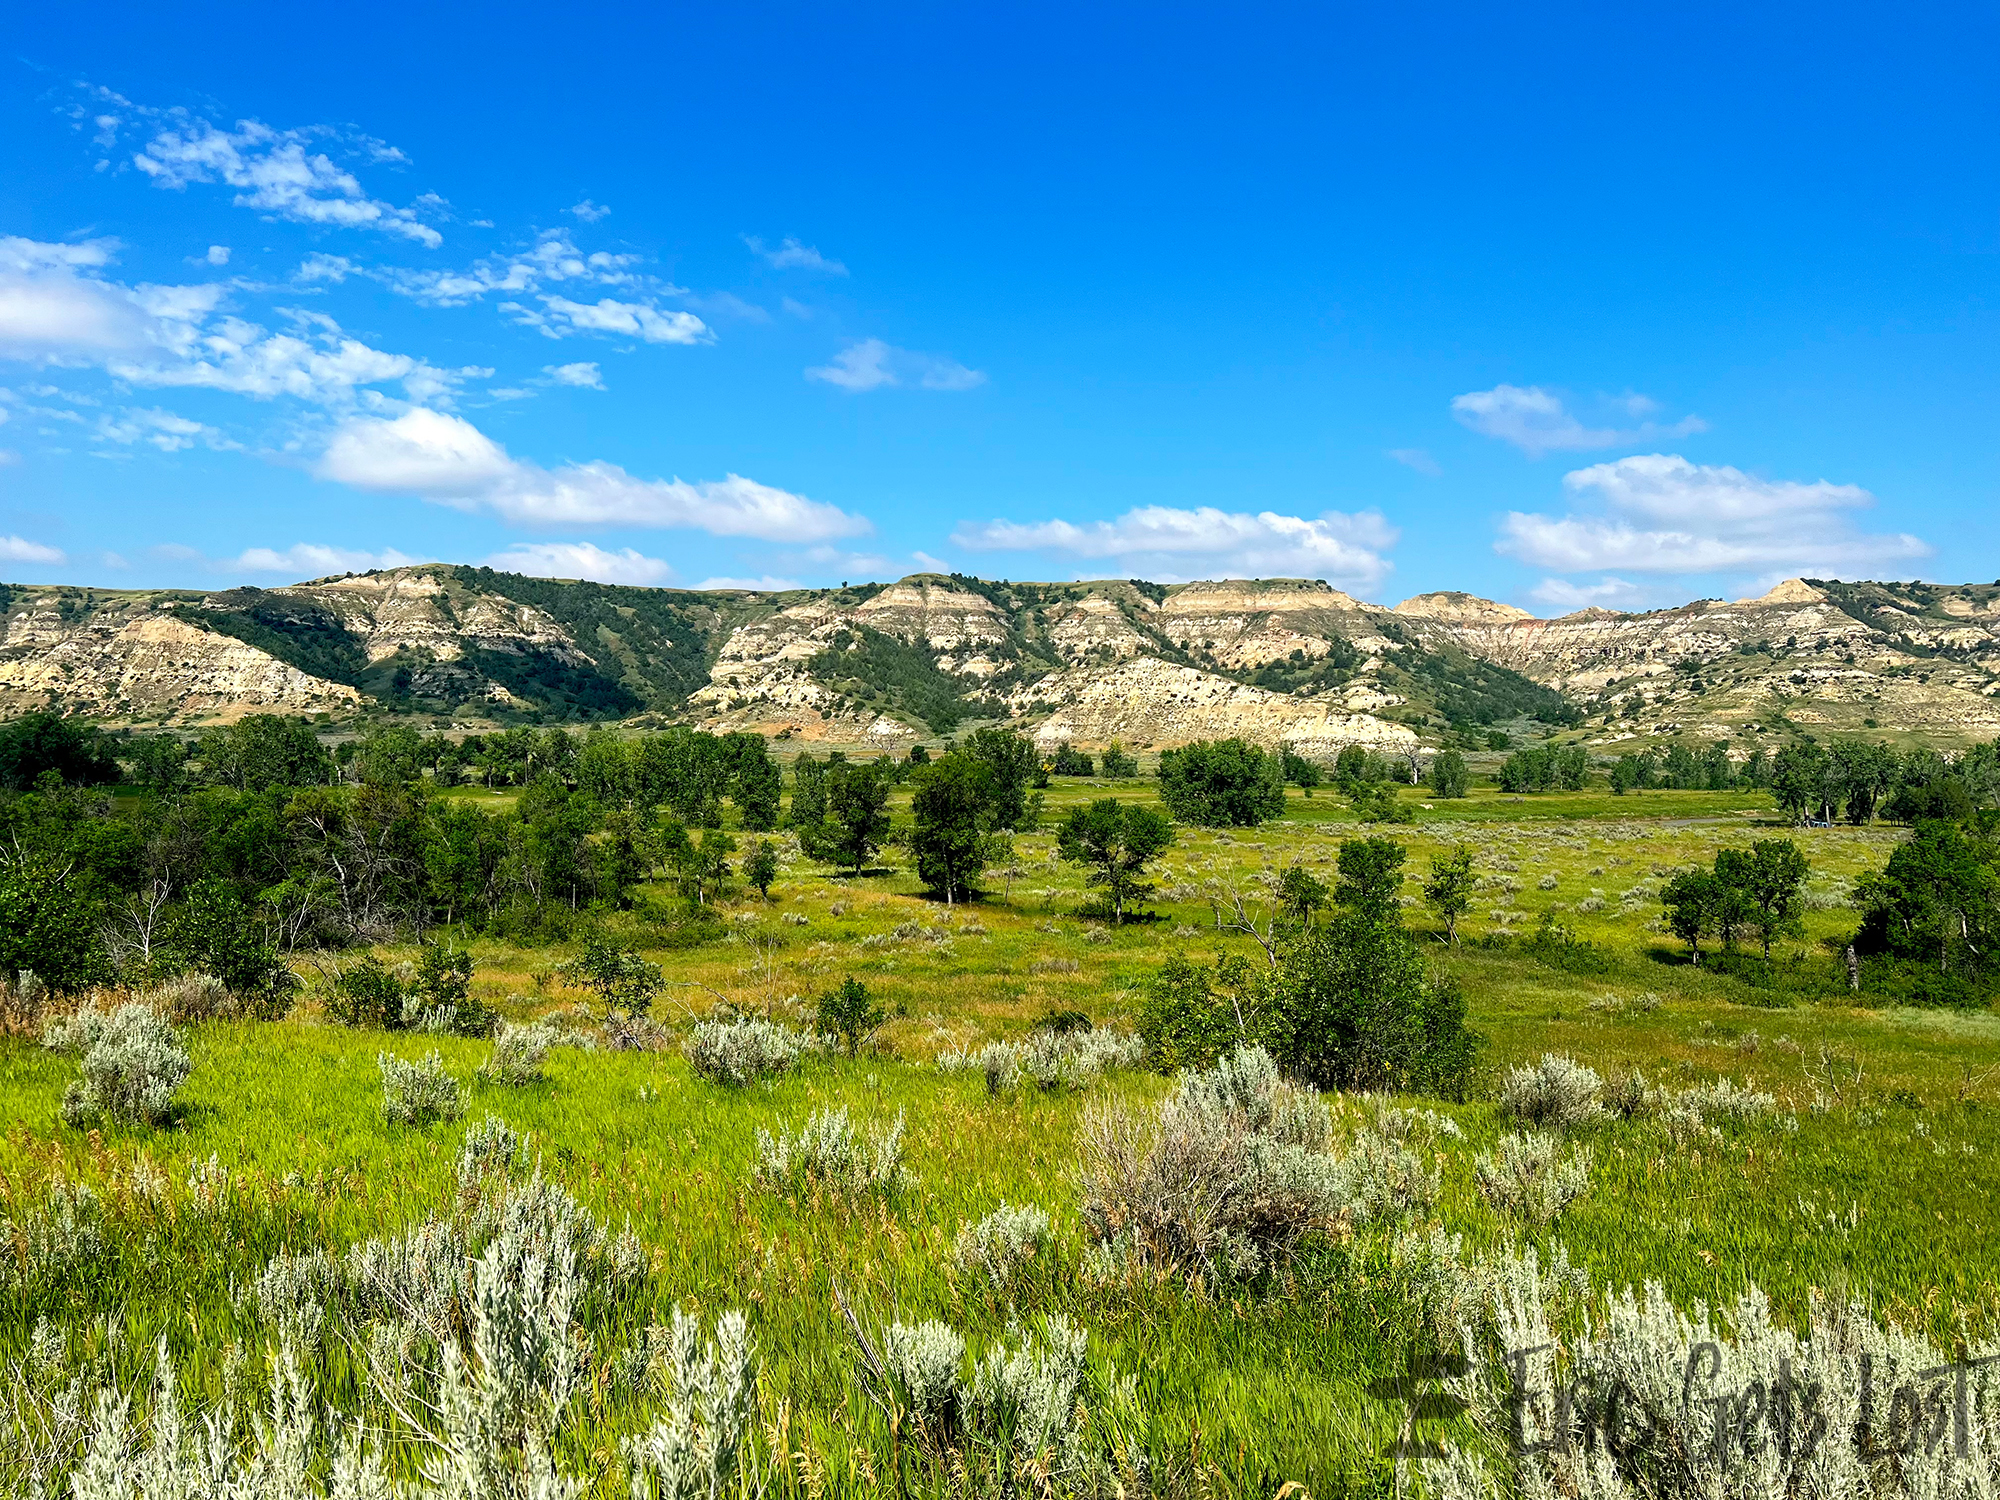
(584,375)
(312,560)
(871,364)
(561,318)
(1418,459)
(1537,421)
(20,549)
(1164,542)
(790,255)
(764,585)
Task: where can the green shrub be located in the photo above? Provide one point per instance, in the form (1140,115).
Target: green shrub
(849,1012)
(131,1062)
(419,1093)
(1222,784)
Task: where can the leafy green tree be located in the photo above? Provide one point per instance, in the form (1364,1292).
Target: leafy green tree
(756,783)
(1800,780)
(217,932)
(808,809)
(1449,776)
(260,752)
(1768,880)
(38,743)
(1011,761)
(1694,899)
(760,867)
(621,979)
(1070,761)
(49,925)
(158,761)
(1352,770)
(1352,1005)
(1937,901)
(856,823)
(1449,889)
(1221,784)
(1302,895)
(1116,839)
(1370,882)
(849,1012)
(1116,763)
(952,805)
(1190,1015)
(1299,771)
(391,756)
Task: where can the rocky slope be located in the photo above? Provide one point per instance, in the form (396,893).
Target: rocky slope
(1280,661)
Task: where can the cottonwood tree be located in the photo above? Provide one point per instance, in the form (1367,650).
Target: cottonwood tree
(1449,889)
(1116,839)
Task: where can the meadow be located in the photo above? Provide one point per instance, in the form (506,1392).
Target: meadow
(1870,1177)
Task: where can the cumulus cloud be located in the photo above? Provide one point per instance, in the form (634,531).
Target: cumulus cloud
(1418,459)
(582,560)
(312,560)
(275,172)
(1664,515)
(871,364)
(589,212)
(792,256)
(1537,421)
(57,308)
(553,258)
(20,549)
(765,585)
(1165,542)
(218,255)
(445,458)
(583,374)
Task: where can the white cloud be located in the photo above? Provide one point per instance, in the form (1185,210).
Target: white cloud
(55,308)
(1606,593)
(20,549)
(589,212)
(871,364)
(164,430)
(1163,542)
(582,560)
(765,585)
(312,560)
(607,315)
(1536,421)
(792,256)
(583,374)
(553,258)
(930,564)
(446,458)
(1668,516)
(218,255)
(1418,459)
(275,173)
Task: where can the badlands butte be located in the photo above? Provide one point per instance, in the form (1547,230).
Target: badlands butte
(1277,661)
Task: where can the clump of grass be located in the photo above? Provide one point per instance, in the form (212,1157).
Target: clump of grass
(1052,1061)
(828,1154)
(419,1093)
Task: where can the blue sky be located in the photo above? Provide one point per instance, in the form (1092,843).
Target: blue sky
(1577,307)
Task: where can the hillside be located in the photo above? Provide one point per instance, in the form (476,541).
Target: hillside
(1277,660)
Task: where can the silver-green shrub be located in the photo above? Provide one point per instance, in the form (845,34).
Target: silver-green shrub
(706,1443)
(1532,1176)
(55,1243)
(1220,1180)
(519,1053)
(131,1063)
(1054,1062)
(1556,1093)
(418,1093)
(734,1053)
(1003,1243)
(829,1155)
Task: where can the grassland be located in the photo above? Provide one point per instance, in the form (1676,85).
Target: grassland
(1874,1175)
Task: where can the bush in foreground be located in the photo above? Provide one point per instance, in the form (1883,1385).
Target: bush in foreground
(829,1155)
(131,1061)
(734,1053)
(419,1093)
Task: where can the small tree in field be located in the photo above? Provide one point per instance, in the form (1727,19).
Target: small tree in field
(620,978)
(1222,784)
(1449,889)
(760,867)
(1300,772)
(1693,899)
(1449,776)
(1371,878)
(1116,839)
(856,821)
(849,1012)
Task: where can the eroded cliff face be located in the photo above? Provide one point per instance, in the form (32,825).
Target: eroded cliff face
(1277,661)
(1798,651)
(144,663)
